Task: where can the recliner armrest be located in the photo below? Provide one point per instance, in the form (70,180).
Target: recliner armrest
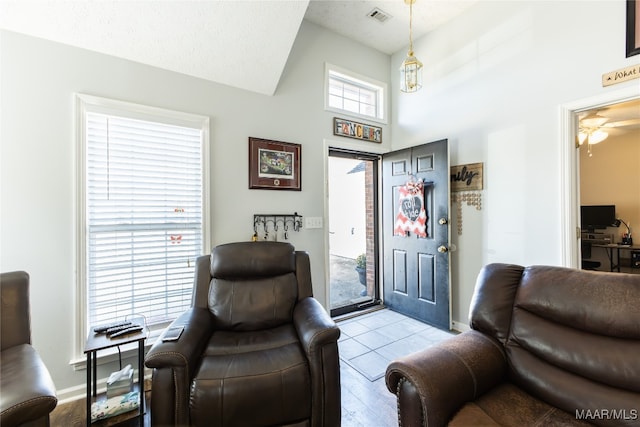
(198,327)
(434,383)
(314,325)
(319,335)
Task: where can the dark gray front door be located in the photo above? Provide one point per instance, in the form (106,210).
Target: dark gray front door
(416,260)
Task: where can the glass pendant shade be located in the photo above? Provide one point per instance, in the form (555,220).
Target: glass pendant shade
(597,136)
(582,137)
(411,74)
(411,68)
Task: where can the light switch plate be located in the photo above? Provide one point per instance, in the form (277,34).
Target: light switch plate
(313,222)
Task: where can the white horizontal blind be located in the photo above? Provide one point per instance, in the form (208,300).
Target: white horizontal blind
(144,217)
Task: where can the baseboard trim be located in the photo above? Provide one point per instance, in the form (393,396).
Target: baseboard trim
(77,392)
(459,326)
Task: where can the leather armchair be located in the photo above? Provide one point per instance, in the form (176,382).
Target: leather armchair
(27,393)
(547,346)
(256,350)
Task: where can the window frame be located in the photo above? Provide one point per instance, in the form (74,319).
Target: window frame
(380,88)
(92,104)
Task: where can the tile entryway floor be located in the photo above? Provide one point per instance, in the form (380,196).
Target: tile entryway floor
(369,342)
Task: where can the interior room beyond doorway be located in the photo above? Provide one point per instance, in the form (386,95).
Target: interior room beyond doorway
(608,159)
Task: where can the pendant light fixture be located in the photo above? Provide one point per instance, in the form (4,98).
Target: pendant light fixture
(411,69)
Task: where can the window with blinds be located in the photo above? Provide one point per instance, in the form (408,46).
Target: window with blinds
(144,215)
(354,95)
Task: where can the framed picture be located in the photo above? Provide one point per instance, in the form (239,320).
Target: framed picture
(633,28)
(361,131)
(274,165)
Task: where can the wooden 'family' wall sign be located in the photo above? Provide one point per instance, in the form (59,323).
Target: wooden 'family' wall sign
(466,183)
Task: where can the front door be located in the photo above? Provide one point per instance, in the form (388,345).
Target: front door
(415,234)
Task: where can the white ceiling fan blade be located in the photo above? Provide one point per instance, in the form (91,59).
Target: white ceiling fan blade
(622,123)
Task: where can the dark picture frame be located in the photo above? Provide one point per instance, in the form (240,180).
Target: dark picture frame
(633,28)
(274,165)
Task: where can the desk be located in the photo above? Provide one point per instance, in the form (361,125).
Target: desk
(102,342)
(615,248)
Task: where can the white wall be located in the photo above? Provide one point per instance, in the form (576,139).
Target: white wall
(495,78)
(38,82)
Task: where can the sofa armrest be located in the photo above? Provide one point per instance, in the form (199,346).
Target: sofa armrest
(432,384)
(15,320)
(28,392)
(314,325)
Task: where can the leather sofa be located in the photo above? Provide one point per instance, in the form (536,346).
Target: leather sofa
(256,350)
(27,392)
(547,346)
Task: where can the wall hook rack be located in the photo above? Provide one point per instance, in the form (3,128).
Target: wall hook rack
(278,221)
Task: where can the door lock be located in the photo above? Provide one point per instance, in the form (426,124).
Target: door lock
(443,221)
(443,249)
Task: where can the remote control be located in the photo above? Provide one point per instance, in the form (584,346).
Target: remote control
(126,331)
(103,328)
(173,333)
(116,329)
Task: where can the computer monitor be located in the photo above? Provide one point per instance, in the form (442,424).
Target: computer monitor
(597,217)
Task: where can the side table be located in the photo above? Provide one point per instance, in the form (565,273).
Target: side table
(96,342)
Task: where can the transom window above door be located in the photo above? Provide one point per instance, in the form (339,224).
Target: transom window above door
(355,95)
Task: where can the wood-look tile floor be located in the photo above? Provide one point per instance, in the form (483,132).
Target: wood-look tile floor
(367,344)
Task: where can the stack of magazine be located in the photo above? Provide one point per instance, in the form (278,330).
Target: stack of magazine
(115,406)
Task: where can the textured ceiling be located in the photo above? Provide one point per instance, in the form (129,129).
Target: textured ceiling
(239,43)
(243,44)
(350,18)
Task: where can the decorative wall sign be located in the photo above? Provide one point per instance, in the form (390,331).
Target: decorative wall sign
(466,177)
(361,131)
(274,165)
(466,181)
(471,198)
(633,28)
(621,75)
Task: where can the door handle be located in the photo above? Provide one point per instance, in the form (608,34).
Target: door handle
(443,249)
(443,221)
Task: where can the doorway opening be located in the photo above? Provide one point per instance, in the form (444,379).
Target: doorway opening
(609,191)
(571,168)
(353,224)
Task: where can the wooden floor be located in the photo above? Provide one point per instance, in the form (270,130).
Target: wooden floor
(367,344)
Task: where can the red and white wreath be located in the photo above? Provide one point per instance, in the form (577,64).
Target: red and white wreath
(412,216)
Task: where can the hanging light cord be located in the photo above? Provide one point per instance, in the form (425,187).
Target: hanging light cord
(411,27)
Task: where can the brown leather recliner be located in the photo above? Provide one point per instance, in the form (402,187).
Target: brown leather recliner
(548,346)
(256,350)
(27,393)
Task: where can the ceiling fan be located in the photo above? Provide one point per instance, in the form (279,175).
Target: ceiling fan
(594,128)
